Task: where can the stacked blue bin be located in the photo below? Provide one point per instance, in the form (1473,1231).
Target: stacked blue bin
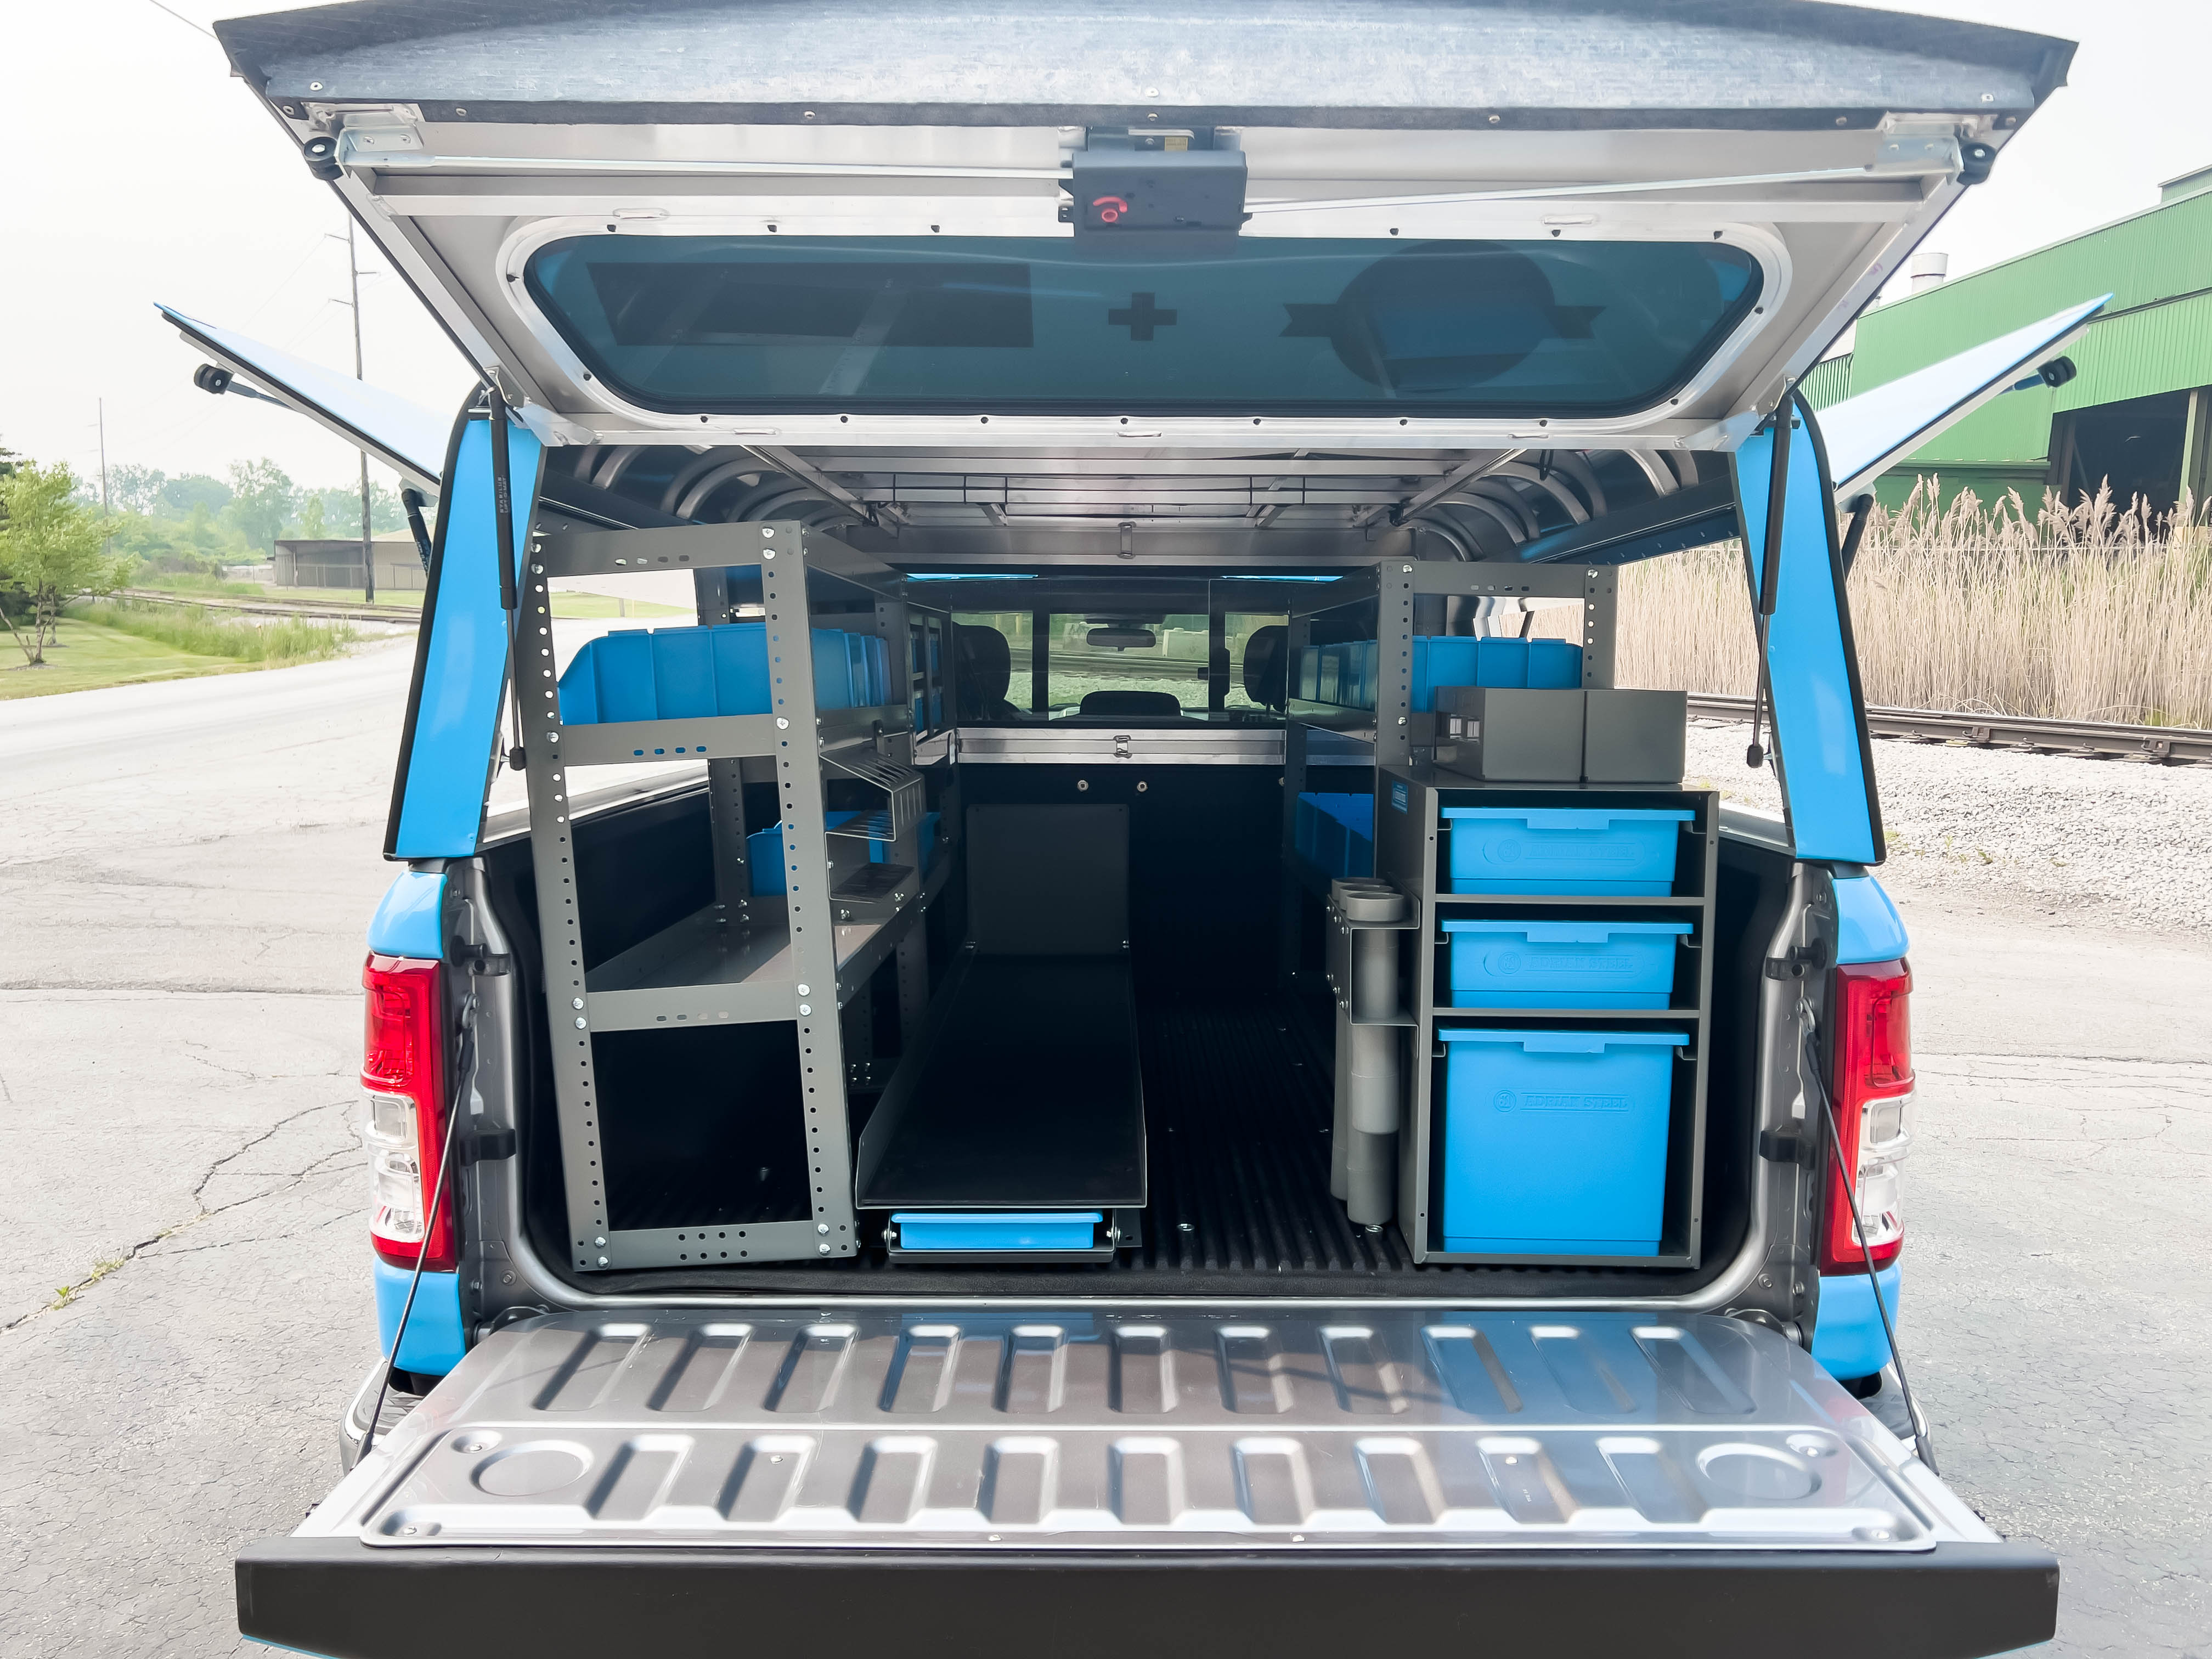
(1555,1142)
(1336,833)
(688,673)
(1460,660)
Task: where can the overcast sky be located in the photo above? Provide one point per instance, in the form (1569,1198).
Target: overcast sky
(140,171)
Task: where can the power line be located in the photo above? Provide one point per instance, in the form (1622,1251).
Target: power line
(181,18)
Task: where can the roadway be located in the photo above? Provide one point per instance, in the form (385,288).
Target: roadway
(185,869)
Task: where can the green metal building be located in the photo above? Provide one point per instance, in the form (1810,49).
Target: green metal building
(2138,413)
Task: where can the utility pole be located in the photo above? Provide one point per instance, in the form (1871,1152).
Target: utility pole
(367,544)
(106,540)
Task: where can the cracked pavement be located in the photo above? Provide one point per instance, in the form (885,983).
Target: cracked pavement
(186,870)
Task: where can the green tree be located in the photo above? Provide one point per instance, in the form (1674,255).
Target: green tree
(135,488)
(311,519)
(260,502)
(178,497)
(50,547)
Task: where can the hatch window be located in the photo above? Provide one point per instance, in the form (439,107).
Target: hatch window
(946,325)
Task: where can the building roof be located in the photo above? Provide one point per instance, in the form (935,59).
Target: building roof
(2155,335)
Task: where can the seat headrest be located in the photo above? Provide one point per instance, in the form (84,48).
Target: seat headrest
(1267,665)
(1152,705)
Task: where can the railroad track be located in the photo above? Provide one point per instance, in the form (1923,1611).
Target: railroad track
(2161,744)
(332,609)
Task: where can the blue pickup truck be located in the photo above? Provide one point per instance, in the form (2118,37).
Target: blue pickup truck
(1122,1028)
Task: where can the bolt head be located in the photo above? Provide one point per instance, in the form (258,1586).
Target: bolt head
(579,1022)
(823,1249)
(781,724)
(804,992)
(603,1261)
(575,1002)
(821,1226)
(803,1008)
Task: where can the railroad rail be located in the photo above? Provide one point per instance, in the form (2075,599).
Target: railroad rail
(329,610)
(2160,745)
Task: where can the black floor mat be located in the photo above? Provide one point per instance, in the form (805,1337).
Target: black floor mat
(1237,1110)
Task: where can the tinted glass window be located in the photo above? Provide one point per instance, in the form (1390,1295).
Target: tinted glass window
(953,324)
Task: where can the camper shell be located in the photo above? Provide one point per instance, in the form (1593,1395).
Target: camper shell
(1126,1020)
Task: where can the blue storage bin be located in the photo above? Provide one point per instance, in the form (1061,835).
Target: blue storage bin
(1501,662)
(833,669)
(1441,659)
(1525,849)
(764,850)
(579,688)
(740,667)
(1555,1142)
(622,668)
(880,663)
(1336,833)
(992,1229)
(1563,965)
(1554,664)
(860,669)
(683,673)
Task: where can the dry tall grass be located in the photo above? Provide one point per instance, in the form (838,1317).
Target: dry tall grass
(2093,613)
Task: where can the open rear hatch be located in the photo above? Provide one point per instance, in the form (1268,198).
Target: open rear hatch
(1267,285)
(969,1479)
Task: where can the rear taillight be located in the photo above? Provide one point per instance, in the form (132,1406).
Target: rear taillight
(404,1069)
(1873,1093)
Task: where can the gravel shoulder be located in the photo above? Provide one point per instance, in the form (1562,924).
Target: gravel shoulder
(2111,844)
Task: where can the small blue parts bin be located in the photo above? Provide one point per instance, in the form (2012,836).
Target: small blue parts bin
(1520,849)
(1336,833)
(993,1230)
(1563,965)
(668,674)
(1554,664)
(1555,1142)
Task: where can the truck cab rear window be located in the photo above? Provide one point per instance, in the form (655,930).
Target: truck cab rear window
(951,324)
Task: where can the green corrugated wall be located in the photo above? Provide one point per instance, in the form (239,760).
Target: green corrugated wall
(2155,336)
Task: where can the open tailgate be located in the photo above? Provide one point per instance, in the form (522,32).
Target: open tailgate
(978,1480)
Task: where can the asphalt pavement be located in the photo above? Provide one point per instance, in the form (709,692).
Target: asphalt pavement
(185,869)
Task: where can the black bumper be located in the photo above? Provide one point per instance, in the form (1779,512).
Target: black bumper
(337,1597)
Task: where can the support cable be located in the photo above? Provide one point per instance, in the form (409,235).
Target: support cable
(1809,1070)
(466,1082)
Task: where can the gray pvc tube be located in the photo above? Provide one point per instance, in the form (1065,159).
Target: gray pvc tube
(1370,1174)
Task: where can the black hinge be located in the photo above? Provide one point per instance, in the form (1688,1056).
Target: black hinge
(1798,960)
(482,961)
(1790,1144)
(487,1146)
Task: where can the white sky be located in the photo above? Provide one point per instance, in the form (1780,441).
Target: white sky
(139,170)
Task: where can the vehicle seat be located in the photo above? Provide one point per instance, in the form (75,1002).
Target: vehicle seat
(1136,705)
(1267,665)
(983,665)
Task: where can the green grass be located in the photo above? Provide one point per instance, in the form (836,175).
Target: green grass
(161,581)
(122,644)
(201,633)
(87,655)
(584,606)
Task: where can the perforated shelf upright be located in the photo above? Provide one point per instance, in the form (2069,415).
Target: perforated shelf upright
(745,958)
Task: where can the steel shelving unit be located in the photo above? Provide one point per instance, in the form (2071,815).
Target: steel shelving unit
(1412,852)
(794,958)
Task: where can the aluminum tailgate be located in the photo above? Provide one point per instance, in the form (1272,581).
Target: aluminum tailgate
(668,1481)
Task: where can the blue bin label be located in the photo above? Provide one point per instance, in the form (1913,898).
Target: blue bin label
(1397,797)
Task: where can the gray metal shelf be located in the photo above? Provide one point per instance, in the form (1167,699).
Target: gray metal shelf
(1410,855)
(740,960)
